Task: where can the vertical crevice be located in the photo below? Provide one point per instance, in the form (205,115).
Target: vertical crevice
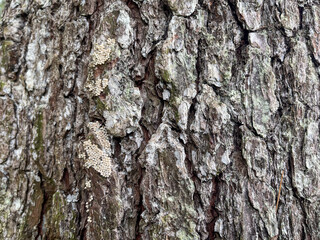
(213,210)
(169,15)
(307,232)
(41,218)
(139,207)
(300,17)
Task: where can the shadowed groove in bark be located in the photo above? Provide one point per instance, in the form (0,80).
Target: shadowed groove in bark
(213,210)
(304,233)
(39,226)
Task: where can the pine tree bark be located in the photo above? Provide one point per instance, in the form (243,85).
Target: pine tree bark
(151,119)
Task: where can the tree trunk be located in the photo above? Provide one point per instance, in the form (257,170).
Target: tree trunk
(151,119)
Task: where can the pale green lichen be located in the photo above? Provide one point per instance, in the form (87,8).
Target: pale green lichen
(57,214)
(2,84)
(5,53)
(165,75)
(2,5)
(39,147)
(39,139)
(101,105)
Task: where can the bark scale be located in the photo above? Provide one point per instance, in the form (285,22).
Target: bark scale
(150,119)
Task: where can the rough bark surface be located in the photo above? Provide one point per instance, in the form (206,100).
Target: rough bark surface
(152,119)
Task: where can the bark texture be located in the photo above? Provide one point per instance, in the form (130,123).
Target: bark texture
(159,119)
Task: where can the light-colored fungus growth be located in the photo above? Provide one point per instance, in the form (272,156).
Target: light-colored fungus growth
(102,53)
(100,134)
(96,88)
(98,158)
(88,184)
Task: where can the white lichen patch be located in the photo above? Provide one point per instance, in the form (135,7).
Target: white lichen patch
(103,52)
(89,203)
(96,87)
(98,157)
(88,184)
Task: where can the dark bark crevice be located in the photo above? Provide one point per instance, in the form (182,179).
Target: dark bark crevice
(40,224)
(213,209)
(139,207)
(307,232)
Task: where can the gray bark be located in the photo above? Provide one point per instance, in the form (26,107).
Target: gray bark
(150,119)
